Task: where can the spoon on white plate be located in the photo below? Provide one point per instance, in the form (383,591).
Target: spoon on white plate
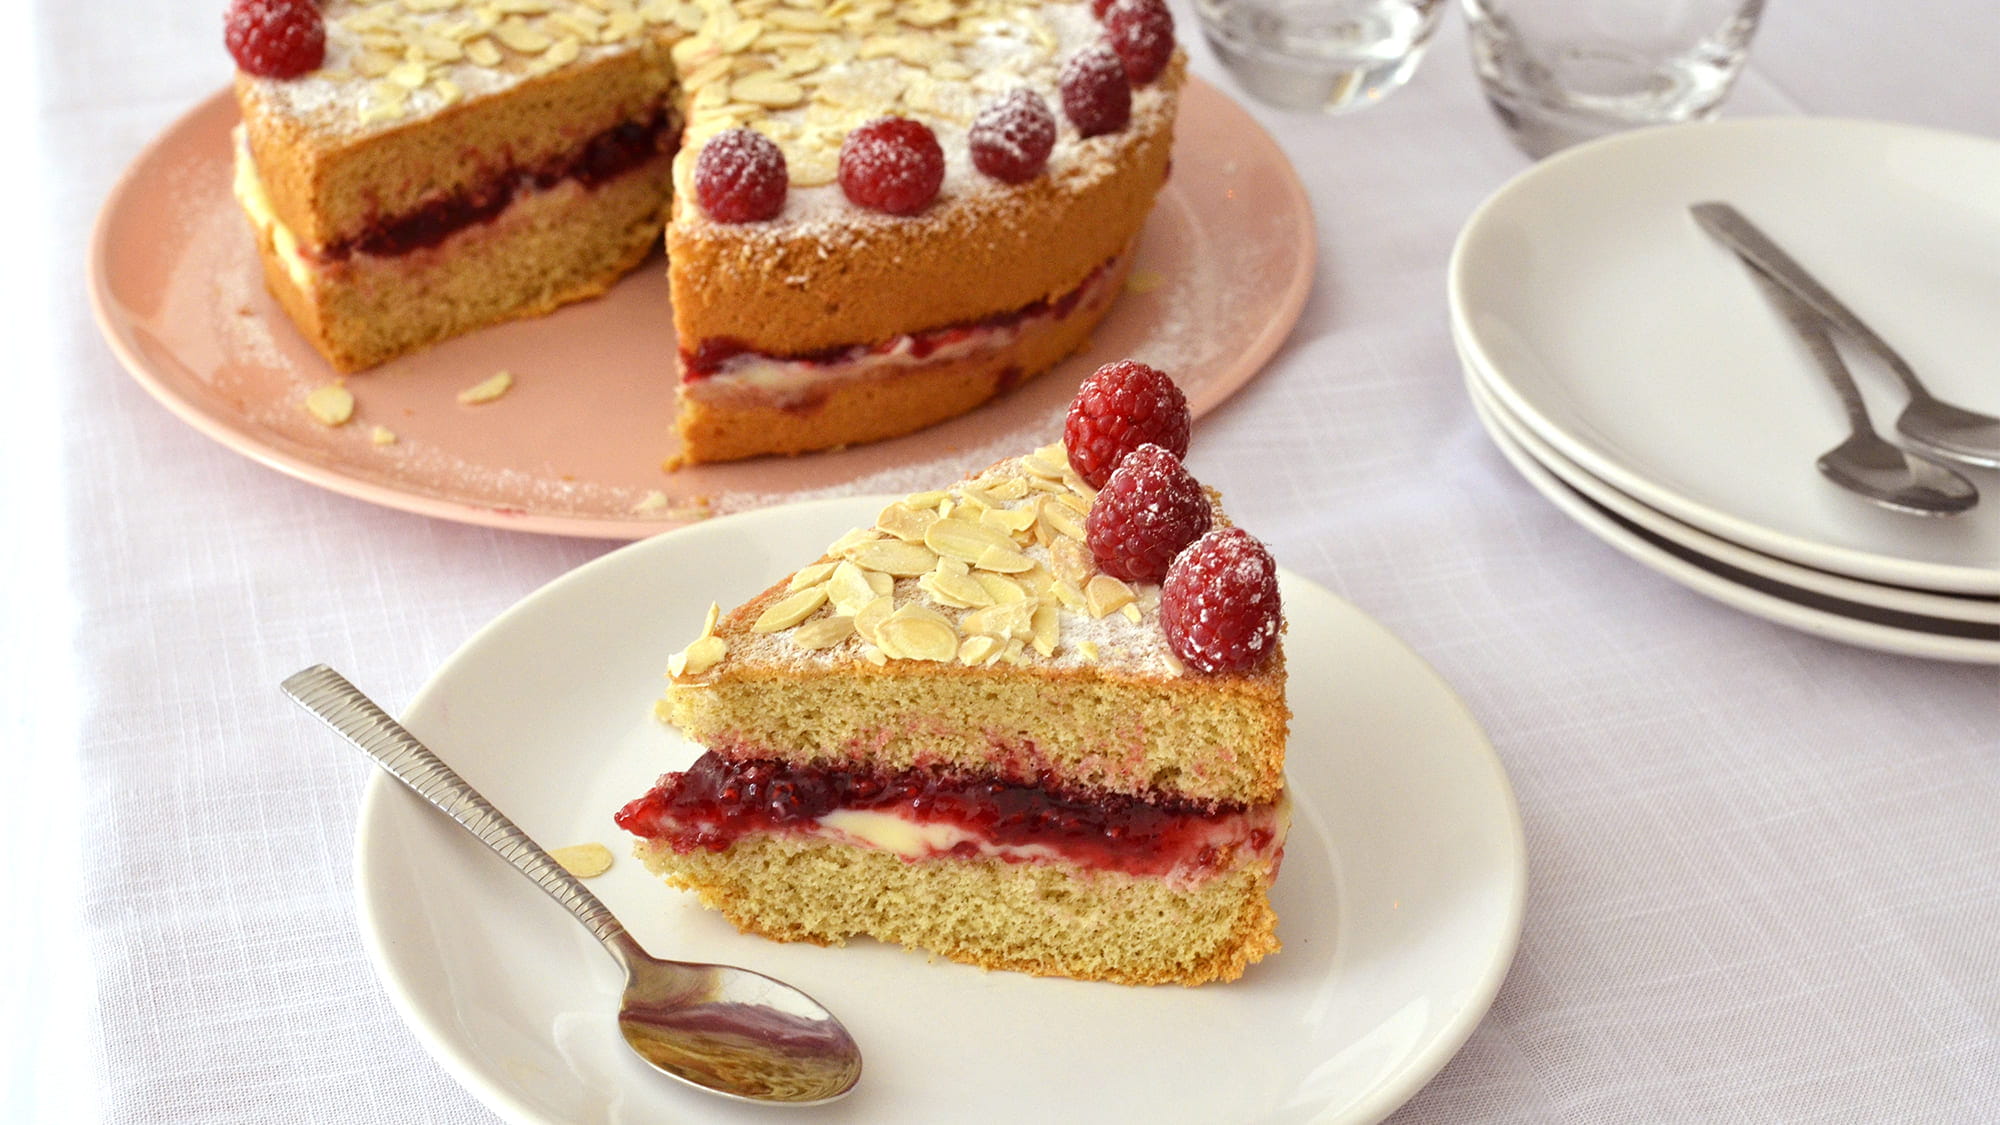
(726,1030)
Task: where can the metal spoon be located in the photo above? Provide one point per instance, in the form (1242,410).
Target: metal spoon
(1866,463)
(1944,429)
(726,1030)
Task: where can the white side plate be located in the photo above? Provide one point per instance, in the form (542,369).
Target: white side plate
(1400,900)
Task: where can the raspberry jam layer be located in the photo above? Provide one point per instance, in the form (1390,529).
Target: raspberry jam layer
(727,359)
(930,812)
(598,160)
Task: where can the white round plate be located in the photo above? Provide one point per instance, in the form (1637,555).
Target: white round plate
(1968,615)
(1791,606)
(1400,900)
(1618,331)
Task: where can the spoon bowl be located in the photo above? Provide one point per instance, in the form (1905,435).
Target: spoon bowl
(1868,465)
(722,1029)
(1951,431)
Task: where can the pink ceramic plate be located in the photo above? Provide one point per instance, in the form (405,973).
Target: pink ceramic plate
(575,448)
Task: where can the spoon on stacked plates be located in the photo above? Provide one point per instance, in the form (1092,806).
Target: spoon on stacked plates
(1865,463)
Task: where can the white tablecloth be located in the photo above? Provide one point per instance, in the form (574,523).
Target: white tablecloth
(1762,865)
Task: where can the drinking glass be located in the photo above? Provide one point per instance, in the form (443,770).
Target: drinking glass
(1326,55)
(1562,71)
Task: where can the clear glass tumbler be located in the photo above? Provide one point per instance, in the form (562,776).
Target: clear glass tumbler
(1325,55)
(1562,71)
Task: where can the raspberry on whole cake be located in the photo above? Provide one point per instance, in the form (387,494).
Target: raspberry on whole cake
(418,170)
(957,732)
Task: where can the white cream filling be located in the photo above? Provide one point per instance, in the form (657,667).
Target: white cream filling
(893,831)
(250,194)
(757,373)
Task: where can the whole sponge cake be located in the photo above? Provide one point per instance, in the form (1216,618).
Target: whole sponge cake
(449,163)
(956,731)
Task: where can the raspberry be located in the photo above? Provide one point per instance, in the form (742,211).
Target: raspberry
(1096,95)
(275,38)
(1149,509)
(1219,605)
(740,177)
(892,164)
(1122,406)
(1142,32)
(1097,7)
(1011,138)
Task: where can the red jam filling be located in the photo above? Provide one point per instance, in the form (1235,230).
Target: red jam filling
(712,354)
(597,161)
(716,802)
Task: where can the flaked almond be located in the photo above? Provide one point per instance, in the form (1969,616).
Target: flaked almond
(1070,596)
(906,522)
(892,556)
(1044,628)
(917,632)
(853,537)
(965,540)
(977,649)
(768,89)
(1062,520)
(879,582)
(1010,521)
(790,609)
(1071,561)
(1003,621)
(487,390)
(1000,588)
(824,632)
(1087,650)
(872,616)
(585,861)
(1008,488)
(958,590)
(811,575)
(1106,594)
(1131,612)
(706,652)
(1004,560)
(330,405)
(848,589)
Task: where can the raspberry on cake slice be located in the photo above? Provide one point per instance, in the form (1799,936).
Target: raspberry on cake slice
(961,731)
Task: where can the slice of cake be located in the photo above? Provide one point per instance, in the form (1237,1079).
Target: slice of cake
(984,727)
(415,169)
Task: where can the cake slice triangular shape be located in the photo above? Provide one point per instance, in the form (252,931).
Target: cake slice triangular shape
(954,731)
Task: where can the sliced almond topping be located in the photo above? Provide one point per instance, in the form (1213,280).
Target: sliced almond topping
(585,861)
(1087,650)
(974,650)
(1000,589)
(925,499)
(905,522)
(1071,561)
(487,390)
(871,617)
(857,535)
(790,609)
(1005,560)
(1070,596)
(1106,594)
(330,405)
(965,540)
(848,589)
(1002,621)
(892,556)
(917,632)
(1062,520)
(1131,612)
(706,652)
(1008,520)
(1010,488)
(1044,627)
(958,590)
(518,35)
(767,89)
(824,632)
(483,52)
(1050,461)
(811,575)
(874,655)
(382,435)
(879,582)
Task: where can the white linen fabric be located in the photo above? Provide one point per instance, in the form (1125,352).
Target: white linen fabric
(1762,865)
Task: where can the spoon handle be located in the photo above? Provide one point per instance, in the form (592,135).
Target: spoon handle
(1770,260)
(339,704)
(1812,330)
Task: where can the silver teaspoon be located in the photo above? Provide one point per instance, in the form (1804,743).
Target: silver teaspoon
(1944,429)
(725,1030)
(1865,463)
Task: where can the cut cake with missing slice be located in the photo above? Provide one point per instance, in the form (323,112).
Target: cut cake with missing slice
(956,733)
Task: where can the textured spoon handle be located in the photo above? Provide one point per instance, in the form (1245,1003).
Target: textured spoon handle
(342,706)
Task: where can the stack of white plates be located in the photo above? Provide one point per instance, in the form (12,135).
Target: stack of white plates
(1633,372)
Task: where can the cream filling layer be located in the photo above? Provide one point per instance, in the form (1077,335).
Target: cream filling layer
(250,194)
(891,831)
(761,375)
